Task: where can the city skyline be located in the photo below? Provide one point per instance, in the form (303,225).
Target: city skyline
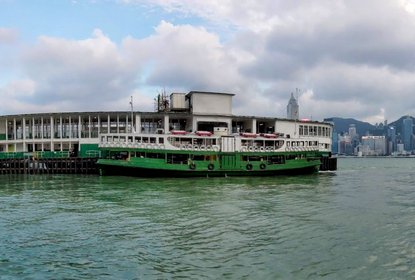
(348,58)
(396,138)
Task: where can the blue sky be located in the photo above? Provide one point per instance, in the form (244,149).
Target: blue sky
(77,19)
(348,58)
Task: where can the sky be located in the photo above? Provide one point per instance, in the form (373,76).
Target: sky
(348,58)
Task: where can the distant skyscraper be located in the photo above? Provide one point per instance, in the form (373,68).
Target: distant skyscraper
(407,133)
(352,131)
(292,108)
(392,138)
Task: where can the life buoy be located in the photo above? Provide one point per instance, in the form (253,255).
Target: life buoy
(203,148)
(249,167)
(192,166)
(209,148)
(262,166)
(211,166)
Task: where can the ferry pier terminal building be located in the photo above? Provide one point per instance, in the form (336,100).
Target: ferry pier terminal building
(77,133)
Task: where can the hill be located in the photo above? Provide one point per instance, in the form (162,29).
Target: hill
(342,125)
(398,124)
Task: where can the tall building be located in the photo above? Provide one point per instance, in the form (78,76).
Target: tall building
(345,145)
(391,139)
(407,132)
(352,130)
(292,108)
(374,145)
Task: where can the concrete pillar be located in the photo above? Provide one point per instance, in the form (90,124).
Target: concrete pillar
(166,123)
(253,125)
(61,129)
(89,126)
(24,128)
(24,134)
(194,124)
(109,123)
(118,123)
(41,130)
(14,129)
(52,134)
(33,131)
(138,123)
(99,124)
(7,131)
(70,127)
(79,127)
(52,128)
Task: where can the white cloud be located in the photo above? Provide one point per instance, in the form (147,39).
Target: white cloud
(350,58)
(8,35)
(185,57)
(89,72)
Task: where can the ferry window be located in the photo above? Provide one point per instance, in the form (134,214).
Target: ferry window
(152,139)
(155,155)
(276,159)
(161,140)
(139,154)
(269,143)
(288,143)
(319,131)
(301,130)
(254,158)
(211,158)
(145,139)
(315,130)
(198,157)
(306,130)
(258,143)
(177,158)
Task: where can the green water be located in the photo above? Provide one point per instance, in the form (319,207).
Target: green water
(356,223)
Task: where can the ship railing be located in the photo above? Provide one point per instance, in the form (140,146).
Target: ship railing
(259,149)
(190,147)
(301,149)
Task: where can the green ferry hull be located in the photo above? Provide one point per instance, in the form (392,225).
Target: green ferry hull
(110,169)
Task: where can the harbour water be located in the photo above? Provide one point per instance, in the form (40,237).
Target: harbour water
(355,223)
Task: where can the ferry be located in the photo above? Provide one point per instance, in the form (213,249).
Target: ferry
(213,142)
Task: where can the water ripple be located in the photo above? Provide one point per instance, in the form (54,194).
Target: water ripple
(356,223)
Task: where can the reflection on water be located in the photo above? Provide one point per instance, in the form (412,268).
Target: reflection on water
(356,223)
